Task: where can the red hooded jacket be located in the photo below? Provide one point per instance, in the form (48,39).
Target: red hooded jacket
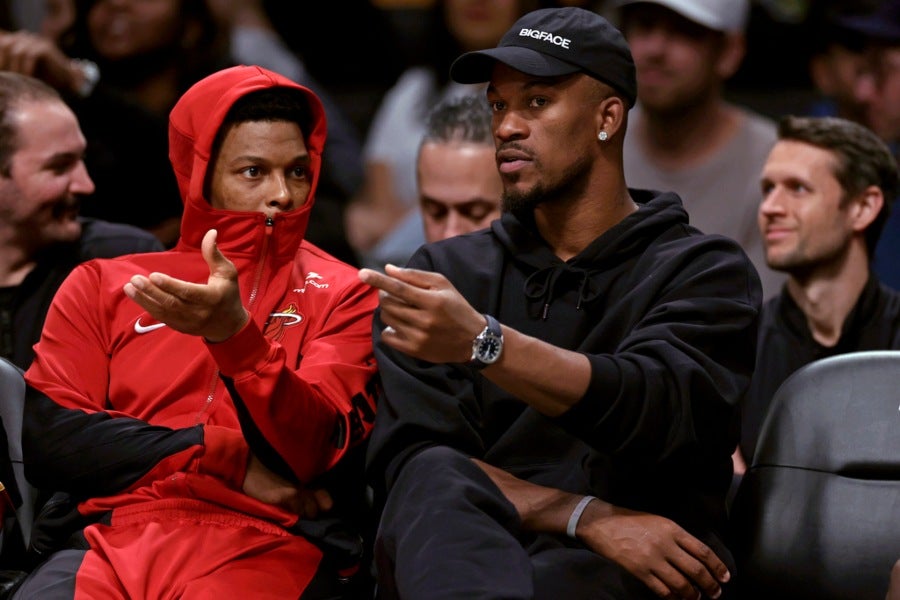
(123,409)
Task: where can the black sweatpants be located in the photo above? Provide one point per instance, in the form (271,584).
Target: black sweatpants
(448,532)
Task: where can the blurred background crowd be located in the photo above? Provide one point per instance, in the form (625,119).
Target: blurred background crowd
(380,65)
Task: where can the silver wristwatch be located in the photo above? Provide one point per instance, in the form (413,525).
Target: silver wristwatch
(488,345)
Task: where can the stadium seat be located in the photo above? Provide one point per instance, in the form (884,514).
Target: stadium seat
(817,514)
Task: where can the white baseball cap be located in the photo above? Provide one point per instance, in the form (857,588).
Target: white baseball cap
(718,15)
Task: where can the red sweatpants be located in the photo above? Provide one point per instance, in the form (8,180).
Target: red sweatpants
(193,550)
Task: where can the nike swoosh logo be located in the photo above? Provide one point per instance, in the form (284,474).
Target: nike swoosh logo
(138,328)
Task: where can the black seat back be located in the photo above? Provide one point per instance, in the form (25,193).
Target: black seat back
(17,526)
(817,514)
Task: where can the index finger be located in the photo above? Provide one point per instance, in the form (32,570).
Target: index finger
(391,285)
(161,290)
(376,279)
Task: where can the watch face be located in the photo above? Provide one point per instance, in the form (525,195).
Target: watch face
(489,349)
(488,345)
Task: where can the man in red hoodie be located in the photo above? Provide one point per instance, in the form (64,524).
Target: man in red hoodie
(190,407)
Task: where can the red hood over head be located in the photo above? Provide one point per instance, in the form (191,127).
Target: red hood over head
(193,124)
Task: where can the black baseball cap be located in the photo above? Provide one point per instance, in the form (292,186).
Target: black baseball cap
(550,42)
(880,26)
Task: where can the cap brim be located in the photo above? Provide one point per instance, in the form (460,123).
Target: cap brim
(477,66)
(872,26)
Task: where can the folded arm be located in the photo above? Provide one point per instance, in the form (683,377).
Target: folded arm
(656,550)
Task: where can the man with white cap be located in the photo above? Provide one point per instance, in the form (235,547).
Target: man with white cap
(558,406)
(683,136)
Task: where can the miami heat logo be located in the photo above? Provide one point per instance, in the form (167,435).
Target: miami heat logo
(278,321)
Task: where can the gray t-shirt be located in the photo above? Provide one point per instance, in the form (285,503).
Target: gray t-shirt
(721,195)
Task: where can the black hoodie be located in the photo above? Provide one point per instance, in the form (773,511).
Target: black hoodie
(667,317)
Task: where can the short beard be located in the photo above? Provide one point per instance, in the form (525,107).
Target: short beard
(523,202)
(569,186)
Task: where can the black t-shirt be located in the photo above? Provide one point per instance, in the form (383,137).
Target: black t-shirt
(786,344)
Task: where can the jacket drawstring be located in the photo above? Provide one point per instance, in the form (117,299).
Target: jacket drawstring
(541,286)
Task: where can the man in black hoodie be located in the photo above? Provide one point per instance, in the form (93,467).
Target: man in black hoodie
(582,448)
